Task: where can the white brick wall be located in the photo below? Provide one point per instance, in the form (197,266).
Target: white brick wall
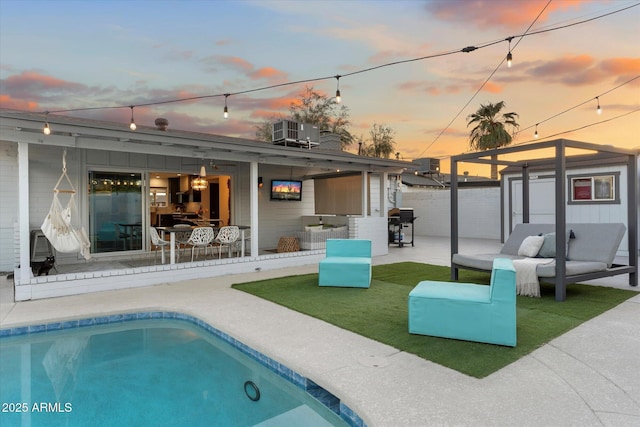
(8,205)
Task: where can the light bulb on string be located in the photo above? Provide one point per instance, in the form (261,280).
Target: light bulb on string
(535,134)
(338,97)
(598,109)
(132,126)
(509,55)
(226,110)
(47,129)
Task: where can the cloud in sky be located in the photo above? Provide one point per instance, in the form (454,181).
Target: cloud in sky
(583,70)
(31,83)
(486,14)
(270,74)
(246,68)
(18,104)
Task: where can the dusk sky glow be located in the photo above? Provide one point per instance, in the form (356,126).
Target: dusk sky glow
(58,55)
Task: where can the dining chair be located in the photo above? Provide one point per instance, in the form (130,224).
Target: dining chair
(182,237)
(156,241)
(201,237)
(121,234)
(228,236)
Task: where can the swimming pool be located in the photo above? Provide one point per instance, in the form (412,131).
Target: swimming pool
(153,368)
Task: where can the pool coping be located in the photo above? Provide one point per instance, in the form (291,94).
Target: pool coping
(326,398)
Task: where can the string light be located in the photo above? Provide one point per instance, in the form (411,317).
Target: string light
(598,109)
(338,97)
(535,134)
(582,103)
(47,129)
(226,110)
(132,126)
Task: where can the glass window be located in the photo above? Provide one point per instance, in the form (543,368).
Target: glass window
(596,188)
(115,211)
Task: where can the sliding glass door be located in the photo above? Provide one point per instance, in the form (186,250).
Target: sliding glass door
(115,211)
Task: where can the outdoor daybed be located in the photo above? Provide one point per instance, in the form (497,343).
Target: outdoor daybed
(590,250)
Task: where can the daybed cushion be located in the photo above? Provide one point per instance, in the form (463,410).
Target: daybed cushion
(485,262)
(572,268)
(480,261)
(530,246)
(592,242)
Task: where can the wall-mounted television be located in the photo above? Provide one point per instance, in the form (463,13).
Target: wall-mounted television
(286,190)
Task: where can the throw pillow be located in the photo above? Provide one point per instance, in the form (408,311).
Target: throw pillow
(548,249)
(530,246)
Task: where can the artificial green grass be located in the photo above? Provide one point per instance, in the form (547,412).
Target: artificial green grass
(381,313)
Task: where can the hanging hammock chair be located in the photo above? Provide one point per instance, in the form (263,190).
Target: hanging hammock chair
(58,227)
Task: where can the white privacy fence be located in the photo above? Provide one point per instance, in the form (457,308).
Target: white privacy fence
(479,211)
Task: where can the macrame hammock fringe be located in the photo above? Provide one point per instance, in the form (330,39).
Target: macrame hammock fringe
(57,226)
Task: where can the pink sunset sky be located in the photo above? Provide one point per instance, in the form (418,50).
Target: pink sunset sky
(59,55)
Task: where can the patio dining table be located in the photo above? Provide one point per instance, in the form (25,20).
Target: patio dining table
(172,239)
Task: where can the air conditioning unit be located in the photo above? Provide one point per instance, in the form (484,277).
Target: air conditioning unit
(289,131)
(307,132)
(285,130)
(428,165)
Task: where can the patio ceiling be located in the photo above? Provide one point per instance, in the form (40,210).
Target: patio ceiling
(21,126)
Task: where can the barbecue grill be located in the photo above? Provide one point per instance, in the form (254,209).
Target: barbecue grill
(399,219)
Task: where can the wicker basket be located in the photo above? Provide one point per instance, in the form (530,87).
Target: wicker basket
(288,244)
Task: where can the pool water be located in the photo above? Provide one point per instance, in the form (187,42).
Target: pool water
(145,373)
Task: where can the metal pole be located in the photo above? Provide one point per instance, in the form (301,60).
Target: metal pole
(632,216)
(561,219)
(525,193)
(454,215)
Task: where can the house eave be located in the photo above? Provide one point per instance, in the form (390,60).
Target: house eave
(20,126)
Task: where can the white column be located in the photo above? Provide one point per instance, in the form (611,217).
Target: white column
(253,194)
(384,178)
(365,192)
(23,212)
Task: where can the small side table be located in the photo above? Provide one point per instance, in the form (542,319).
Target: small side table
(288,244)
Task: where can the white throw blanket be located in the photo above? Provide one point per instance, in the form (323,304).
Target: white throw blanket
(527,283)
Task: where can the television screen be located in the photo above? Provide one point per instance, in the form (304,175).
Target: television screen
(286,190)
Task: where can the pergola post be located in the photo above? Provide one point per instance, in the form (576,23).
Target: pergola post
(454,215)
(561,222)
(525,193)
(632,216)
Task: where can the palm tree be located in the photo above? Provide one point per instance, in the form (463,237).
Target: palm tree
(490,129)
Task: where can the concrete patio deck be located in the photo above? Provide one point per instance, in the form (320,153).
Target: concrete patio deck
(589,376)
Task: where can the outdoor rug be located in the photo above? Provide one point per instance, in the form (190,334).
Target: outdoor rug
(381,313)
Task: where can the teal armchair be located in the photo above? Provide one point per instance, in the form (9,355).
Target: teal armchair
(348,264)
(467,311)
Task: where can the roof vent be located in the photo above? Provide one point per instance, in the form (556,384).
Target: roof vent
(162,124)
